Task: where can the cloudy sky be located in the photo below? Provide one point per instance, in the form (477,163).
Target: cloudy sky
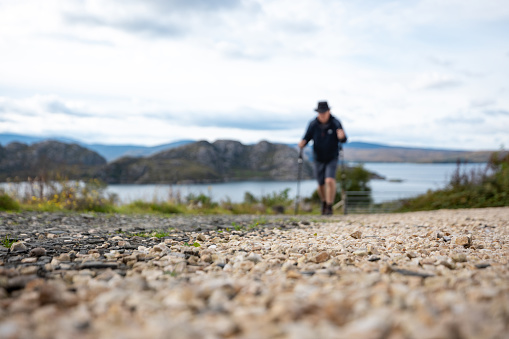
(432,73)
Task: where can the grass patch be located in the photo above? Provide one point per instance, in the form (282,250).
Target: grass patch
(474,189)
(139,206)
(154,234)
(7,241)
(8,203)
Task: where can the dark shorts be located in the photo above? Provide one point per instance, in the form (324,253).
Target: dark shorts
(325,170)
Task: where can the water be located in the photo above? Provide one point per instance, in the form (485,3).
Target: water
(416,179)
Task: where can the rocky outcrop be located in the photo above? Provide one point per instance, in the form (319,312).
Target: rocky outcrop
(48,159)
(221,161)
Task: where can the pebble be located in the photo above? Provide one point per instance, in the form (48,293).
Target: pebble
(463,240)
(37,252)
(356,235)
(18,246)
(365,276)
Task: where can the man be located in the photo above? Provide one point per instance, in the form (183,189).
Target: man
(326,132)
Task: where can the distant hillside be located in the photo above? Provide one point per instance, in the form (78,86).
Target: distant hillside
(221,161)
(109,152)
(114,152)
(48,158)
(354,151)
(415,155)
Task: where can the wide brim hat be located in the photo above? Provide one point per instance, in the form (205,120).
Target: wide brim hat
(322,107)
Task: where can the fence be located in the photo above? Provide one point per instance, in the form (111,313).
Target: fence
(363,202)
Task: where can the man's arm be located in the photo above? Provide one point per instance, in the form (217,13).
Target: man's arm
(308,136)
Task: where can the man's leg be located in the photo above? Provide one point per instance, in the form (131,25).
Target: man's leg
(320,177)
(322,195)
(330,191)
(330,184)
(322,192)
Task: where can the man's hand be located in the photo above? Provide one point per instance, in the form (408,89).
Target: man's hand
(302,143)
(341,134)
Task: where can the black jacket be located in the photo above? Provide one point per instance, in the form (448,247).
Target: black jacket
(325,138)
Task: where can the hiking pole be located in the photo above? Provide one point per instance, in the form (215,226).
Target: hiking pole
(343,177)
(299,174)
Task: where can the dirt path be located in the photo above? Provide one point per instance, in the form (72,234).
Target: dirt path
(441,274)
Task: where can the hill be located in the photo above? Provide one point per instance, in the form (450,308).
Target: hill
(415,155)
(354,151)
(109,152)
(221,161)
(48,158)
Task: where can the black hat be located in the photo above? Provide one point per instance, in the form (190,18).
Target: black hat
(322,107)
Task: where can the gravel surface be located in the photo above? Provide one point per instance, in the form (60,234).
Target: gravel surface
(440,274)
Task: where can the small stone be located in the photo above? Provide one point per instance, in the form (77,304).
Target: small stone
(448,264)
(201,237)
(29,270)
(482,265)
(160,247)
(356,235)
(293,274)
(411,254)
(463,240)
(459,257)
(373,258)
(123,243)
(98,264)
(64,257)
(360,253)
(18,246)
(29,260)
(38,252)
(320,257)
(372,249)
(256,258)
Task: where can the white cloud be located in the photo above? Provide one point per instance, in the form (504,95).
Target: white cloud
(151,71)
(434,80)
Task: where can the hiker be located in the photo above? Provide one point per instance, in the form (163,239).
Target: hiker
(326,132)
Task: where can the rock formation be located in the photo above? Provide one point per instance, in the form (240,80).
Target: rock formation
(221,161)
(48,159)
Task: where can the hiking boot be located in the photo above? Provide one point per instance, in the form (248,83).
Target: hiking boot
(328,210)
(324,208)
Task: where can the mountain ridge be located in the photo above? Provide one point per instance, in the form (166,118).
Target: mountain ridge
(204,162)
(356,151)
(48,159)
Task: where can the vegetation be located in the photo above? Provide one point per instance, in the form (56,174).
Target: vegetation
(63,195)
(60,194)
(153,234)
(481,188)
(351,179)
(7,241)
(7,203)
(140,206)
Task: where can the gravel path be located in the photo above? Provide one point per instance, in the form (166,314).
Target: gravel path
(441,274)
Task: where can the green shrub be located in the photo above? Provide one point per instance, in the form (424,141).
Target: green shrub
(7,203)
(280,198)
(474,189)
(201,200)
(140,206)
